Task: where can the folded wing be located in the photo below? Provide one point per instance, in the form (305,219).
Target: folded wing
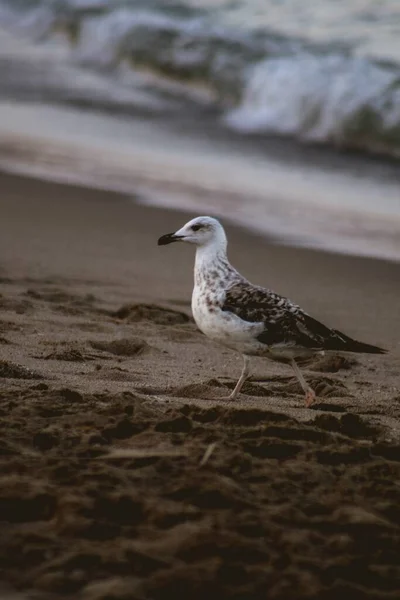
(285,323)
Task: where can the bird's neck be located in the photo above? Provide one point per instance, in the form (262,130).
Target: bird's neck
(209,255)
(211,259)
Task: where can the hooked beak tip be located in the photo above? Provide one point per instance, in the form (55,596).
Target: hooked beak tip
(169,238)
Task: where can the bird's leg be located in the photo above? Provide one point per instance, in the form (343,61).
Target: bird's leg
(309,392)
(243,376)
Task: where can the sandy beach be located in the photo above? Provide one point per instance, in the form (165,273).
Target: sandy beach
(122,474)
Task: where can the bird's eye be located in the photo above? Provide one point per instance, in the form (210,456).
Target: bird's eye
(195,227)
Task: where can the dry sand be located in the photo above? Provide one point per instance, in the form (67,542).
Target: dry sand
(124,477)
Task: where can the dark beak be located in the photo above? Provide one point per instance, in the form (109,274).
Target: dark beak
(168,239)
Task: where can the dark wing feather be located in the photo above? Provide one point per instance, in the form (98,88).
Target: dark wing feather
(285,322)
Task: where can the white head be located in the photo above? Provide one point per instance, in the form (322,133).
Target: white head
(201,231)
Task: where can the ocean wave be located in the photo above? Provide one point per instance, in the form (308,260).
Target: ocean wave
(260,81)
(337,99)
(188,48)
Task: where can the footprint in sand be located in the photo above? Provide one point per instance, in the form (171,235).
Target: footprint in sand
(133,313)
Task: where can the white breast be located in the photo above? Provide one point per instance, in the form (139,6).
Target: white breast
(221,326)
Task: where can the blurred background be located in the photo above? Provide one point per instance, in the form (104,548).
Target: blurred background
(280,115)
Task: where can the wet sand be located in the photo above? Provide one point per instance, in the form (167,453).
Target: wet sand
(123,475)
(341,202)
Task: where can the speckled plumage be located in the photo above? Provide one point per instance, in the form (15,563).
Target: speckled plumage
(285,323)
(248,318)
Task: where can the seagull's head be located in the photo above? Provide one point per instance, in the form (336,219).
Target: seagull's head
(201,231)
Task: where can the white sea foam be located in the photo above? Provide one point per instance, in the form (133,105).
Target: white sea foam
(264,80)
(174,168)
(159,58)
(295,80)
(333,98)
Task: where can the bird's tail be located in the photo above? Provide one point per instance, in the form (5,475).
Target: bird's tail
(350,345)
(332,339)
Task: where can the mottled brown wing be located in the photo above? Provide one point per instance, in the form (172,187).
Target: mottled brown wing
(286,323)
(283,320)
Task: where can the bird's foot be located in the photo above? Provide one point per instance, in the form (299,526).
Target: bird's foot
(310,397)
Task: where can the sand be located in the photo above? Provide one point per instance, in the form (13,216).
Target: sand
(122,474)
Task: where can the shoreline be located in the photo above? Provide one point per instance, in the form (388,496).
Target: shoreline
(303,200)
(182,156)
(56,199)
(103,244)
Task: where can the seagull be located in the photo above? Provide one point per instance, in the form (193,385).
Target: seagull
(250,319)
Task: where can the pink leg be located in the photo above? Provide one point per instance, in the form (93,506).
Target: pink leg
(310,395)
(244,375)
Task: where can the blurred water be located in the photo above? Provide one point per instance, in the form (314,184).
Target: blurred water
(184,74)
(322,71)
